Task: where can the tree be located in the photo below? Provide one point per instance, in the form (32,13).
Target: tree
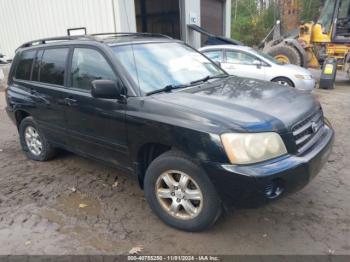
(310,10)
(252,20)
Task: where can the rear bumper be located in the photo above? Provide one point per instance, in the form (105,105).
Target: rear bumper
(247,185)
(10,112)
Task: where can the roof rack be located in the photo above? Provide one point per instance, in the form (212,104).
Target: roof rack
(121,34)
(88,37)
(60,38)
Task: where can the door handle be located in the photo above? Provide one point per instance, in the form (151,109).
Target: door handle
(70,101)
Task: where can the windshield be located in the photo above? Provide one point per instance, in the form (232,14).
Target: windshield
(344,10)
(154,66)
(327,15)
(269,58)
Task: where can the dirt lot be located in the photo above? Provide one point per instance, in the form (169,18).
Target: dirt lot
(40,214)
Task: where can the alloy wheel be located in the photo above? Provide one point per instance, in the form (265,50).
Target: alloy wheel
(179,194)
(284,83)
(33,140)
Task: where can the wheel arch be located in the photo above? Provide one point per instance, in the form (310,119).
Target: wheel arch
(285,77)
(145,155)
(21,114)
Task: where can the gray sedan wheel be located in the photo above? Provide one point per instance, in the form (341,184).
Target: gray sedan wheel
(283,81)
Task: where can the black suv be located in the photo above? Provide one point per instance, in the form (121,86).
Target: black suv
(195,136)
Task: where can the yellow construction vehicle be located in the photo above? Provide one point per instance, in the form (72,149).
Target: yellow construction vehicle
(313,43)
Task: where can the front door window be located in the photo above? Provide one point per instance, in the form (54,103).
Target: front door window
(242,64)
(239,58)
(89,65)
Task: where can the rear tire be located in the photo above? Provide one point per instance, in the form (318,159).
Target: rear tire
(283,81)
(33,142)
(168,202)
(283,51)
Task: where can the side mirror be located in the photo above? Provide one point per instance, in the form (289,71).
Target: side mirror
(217,63)
(257,63)
(107,89)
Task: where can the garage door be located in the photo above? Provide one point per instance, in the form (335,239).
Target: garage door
(212,16)
(158,16)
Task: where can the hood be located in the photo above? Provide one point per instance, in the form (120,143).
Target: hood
(245,104)
(296,69)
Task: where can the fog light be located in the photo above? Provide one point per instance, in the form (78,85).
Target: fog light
(274,189)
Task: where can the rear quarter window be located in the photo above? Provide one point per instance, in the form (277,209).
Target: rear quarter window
(24,67)
(53,66)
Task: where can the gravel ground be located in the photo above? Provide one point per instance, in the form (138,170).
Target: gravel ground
(40,211)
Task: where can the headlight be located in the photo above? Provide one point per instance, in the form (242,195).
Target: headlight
(248,148)
(304,77)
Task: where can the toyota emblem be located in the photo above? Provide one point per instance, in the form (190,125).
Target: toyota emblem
(315,127)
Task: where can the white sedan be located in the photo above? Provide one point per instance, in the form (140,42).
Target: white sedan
(1,74)
(245,61)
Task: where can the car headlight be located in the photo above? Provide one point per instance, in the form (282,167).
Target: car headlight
(248,148)
(304,77)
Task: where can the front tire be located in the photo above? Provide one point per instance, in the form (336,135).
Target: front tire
(283,81)
(180,193)
(33,142)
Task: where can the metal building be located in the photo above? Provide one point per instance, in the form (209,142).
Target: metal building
(25,20)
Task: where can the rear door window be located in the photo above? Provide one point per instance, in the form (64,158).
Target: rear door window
(53,65)
(36,66)
(24,67)
(89,65)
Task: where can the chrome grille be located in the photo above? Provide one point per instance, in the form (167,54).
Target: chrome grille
(308,131)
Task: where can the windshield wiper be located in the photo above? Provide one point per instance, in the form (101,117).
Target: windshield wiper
(207,78)
(167,88)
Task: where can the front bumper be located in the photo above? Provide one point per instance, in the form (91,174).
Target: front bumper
(305,85)
(247,185)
